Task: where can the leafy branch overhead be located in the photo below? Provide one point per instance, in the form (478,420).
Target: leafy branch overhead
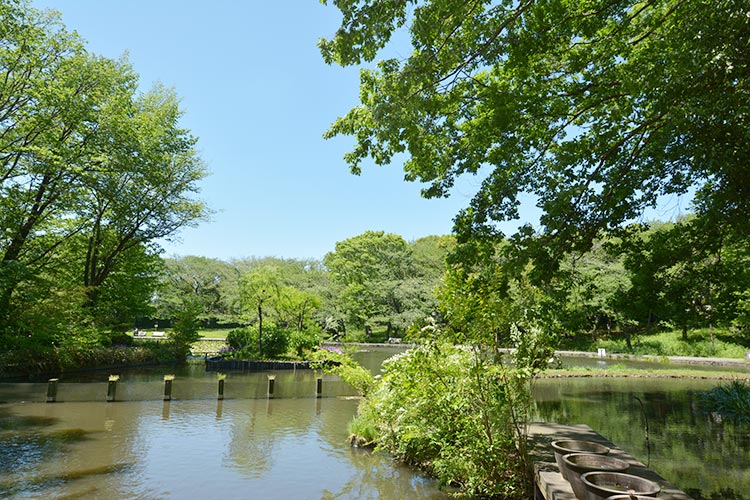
(594,108)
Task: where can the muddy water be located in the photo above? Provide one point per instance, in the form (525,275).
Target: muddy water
(140,447)
(281,448)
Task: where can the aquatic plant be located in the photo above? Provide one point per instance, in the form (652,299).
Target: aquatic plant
(731,401)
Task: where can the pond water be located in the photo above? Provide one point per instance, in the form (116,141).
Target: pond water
(140,447)
(295,445)
(657,420)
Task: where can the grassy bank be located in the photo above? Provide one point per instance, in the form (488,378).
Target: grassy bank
(725,343)
(616,371)
(57,360)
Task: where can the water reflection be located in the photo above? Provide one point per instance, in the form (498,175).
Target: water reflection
(152,449)
(658,422)
(141,447)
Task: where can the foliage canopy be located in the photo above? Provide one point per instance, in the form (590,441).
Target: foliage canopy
(595,108)
(92,173)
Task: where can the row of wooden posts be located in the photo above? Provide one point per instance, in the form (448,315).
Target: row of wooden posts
(168,379)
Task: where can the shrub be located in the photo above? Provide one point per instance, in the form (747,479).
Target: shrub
(240,338)
(334,360)
(275,341)
(245,340)
(459,412)
(449,411)
(306,340)
(117,339)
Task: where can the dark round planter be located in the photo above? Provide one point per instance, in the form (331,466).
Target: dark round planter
(566,446)
(630,497)
(577,464)
(602,485)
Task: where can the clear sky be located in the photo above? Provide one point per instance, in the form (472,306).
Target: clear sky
(258,95)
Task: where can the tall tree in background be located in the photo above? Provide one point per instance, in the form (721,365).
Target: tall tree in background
(595,108)
(83,157)
(211,283)
(259,294)
(686,273)
(367,268)
(383,280)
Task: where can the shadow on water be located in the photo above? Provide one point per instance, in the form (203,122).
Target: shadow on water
(659,422)
(25,443)
(41,483)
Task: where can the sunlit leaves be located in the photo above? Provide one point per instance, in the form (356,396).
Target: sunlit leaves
(596,108)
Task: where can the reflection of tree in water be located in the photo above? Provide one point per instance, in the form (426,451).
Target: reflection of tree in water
(693,451)
(250,449)
(377,477)
(255,434)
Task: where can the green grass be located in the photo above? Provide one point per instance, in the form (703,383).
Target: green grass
(621,371)
(215,333)
(379,335)
(726,344)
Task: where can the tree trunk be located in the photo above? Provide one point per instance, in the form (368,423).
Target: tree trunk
(260,329)
(684,332)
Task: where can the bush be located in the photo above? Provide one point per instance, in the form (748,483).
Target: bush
(447,410)
(333,360)
(241,338)
(460,413)
(731,401)
(275,341)
(306,340)
(117,339)
(245,340)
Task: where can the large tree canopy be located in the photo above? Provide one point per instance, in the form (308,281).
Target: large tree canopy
(596,108)
(92,174)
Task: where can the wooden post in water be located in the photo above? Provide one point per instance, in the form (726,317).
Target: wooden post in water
(168,387)
(319,387)
(222,376)
(271,380)
(112,387)
(52,390)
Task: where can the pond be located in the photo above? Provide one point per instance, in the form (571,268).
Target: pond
(295,445)
(657,420)
(140,447)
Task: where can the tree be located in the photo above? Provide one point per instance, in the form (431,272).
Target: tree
(379,280)
(259,291)
(591,284)
(209,282)
(141,188)
(595,108)
(83,158)
(686,273)
(51,91)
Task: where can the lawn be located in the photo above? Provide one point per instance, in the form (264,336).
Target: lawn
(725,343)
(215,333)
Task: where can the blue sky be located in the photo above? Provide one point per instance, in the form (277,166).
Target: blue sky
(257,94)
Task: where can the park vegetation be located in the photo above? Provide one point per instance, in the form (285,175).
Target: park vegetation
(93,172)
(594,110)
